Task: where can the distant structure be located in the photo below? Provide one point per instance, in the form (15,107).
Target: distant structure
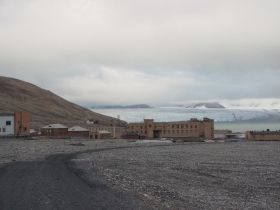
(61,131)
(17,124)
(54,130)
(132,135)
(78,132)
(115,132)
(227,134)
(101,134)
(263,135)
(191,129)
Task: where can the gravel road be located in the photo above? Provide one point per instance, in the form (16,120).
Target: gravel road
(111,174)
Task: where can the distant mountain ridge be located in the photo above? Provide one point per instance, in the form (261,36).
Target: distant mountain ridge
(136,106)
(208,105)
(44,106)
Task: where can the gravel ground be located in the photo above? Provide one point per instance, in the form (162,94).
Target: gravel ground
(229,175)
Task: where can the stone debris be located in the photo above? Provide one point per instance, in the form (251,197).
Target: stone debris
(180,175)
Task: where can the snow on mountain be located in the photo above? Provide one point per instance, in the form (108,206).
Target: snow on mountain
(252,104)
(204,105)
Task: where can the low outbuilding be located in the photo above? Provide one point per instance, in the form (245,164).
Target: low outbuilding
(78,132)
(263,135)
(55,130)
(102,134)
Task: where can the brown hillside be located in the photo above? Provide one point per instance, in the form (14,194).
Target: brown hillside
(44,106)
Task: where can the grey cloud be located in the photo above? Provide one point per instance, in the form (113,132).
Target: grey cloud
(213,45)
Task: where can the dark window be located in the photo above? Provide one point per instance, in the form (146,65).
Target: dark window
(186,126)
(4,129)
(8,122)
(182,126)
(24,128)
(0,129)
(172,126)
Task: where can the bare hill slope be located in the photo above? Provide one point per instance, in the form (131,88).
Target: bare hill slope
(44,106)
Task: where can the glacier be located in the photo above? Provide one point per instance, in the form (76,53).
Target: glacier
(165,114)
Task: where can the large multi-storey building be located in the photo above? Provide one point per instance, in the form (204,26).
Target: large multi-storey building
(192,128)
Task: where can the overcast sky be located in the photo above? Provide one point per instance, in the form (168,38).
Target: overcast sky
(102,52)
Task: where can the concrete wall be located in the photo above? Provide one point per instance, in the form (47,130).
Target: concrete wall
(7,125)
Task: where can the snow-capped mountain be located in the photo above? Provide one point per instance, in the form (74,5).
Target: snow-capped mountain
(253,104)
(204,105)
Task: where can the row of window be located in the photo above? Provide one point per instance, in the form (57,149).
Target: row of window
(168,126)
(174,131)
(3,130)
(95,129)
(178,131)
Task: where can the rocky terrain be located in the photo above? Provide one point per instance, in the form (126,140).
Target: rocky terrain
(44,106)
(165,175)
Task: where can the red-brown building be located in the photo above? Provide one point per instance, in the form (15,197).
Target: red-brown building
(263,135)
(103,134)
(17,124)
(21,123)
(78,132)
(55,130)
(192,129)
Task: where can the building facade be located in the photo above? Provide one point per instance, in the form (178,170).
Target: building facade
(263,135)
(22,123)
(101,134)
(17,124)
(54,130)
(193,128)
(115,132)
(78,132)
